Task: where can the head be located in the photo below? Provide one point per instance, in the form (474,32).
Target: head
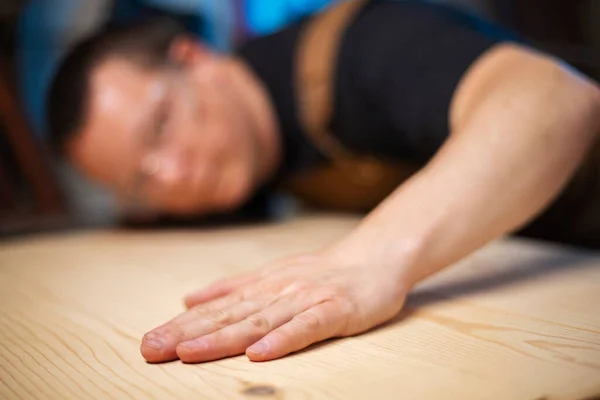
(159,119)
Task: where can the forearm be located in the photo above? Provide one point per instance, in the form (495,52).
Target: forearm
(514,146)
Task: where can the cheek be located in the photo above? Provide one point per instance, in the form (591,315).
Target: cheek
(103,162)
(229,136)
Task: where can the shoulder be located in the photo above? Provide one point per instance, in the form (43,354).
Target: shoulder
(534,77)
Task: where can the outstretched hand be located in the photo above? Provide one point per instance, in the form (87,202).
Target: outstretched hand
(279,309)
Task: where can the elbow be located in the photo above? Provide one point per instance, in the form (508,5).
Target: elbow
(572,102)
(595,106)
(529,85)
(537,98)
(584,107)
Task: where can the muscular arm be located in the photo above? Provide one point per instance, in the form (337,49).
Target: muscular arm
(521,124)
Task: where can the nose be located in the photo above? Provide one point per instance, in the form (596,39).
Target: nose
(166,169)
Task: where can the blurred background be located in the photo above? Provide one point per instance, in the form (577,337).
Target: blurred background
(40,193)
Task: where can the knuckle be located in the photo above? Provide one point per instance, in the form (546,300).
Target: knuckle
(176,331)
(223,302)
(282,337)
(331,292)
(219,318)
(243,295)
(259,322)
(200,311)
(345,306)
(295,287)
(309,321)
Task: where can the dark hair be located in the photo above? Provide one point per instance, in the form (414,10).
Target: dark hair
(145,43)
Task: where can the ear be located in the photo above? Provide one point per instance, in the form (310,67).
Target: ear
(187,51)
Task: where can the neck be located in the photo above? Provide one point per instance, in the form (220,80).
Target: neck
(262,117)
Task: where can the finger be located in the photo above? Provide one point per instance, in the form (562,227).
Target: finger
(191,314)
(218,289)
(319,323)
(160,344)
(234,339)
(228,285)
(216,306)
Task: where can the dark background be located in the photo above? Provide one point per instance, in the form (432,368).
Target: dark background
(37,195)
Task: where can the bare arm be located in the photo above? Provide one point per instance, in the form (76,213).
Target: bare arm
(521,125)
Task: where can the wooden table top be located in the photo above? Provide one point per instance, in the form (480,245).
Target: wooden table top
(517,320)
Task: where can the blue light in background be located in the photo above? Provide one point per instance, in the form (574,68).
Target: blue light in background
(267,16)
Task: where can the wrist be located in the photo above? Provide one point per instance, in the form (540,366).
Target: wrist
(398,259)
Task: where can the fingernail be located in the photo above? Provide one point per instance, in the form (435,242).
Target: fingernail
(259,348)
(151,335)
(194,344)
(155,344)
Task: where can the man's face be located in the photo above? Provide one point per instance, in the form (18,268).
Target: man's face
(175,140)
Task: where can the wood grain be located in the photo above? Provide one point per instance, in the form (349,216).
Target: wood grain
(517,320)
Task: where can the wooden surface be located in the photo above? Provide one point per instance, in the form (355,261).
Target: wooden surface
(515,321)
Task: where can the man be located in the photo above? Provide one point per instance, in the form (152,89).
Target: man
(498,129)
